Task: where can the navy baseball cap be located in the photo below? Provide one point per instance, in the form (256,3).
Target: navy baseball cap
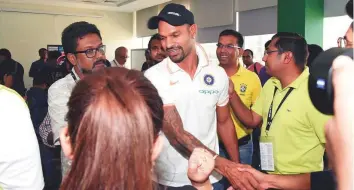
(174,14)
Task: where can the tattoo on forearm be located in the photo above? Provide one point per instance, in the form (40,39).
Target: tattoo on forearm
(180,139)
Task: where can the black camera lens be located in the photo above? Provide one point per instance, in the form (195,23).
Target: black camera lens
(320,79)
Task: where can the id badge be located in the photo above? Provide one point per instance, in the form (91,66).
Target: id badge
(266,146)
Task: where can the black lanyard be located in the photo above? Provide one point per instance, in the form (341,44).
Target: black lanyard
(73,75)
(270,119)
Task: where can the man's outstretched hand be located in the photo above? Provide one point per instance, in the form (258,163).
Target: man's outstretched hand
(238,179)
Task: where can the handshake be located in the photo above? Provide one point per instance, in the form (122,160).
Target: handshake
(243,177)
(339,133)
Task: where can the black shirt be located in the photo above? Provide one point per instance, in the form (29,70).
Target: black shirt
(147,65)
(14,68)
(36,68)
(37,100)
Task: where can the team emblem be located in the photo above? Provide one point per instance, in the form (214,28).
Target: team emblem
(209,80)
(243,88)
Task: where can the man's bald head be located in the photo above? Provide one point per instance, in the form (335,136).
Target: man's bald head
(121,55)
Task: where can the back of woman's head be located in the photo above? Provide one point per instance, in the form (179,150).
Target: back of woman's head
(114,118)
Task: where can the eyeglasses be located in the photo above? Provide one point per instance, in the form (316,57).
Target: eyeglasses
(229,47)
(90,53)
(124,57)
(343,42)
(267,52)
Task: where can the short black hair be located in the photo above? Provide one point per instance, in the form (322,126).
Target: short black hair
(42,78)
(74,32)
(251,52)
(293,42)
(153,37)
(349,8)
(41,50)
(237,35)
(314,51)
(5,52)
(267,44)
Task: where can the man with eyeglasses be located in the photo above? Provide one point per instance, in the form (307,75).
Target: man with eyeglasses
(292,134)
(120,57)
(322,180)
(246,85)
(83,47)
(316,180)
(347,40)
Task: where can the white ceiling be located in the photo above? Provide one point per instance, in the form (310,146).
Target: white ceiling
(108,5)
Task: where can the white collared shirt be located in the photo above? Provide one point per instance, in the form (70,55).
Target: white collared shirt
(196,101)
(58,97)
(115,63)
(20,162)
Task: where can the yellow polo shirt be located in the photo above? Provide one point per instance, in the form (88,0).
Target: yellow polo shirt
(297,131)
(248,86)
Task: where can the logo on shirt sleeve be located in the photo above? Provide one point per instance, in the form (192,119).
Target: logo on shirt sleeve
(209,79)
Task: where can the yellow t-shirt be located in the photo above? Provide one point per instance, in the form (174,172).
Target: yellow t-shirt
(248,86)
(297,131)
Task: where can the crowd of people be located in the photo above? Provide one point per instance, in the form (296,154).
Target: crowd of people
(179,123)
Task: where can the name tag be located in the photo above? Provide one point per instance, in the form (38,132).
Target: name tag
(267,156)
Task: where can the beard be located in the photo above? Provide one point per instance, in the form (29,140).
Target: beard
(178,58)
(160,57)
(97,65)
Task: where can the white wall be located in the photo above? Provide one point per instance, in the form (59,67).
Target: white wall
(23,33)
(256,44)
(333,28)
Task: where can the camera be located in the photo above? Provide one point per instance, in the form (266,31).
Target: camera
(320,80)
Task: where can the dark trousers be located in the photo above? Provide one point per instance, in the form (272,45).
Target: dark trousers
(256,159)
(51,166)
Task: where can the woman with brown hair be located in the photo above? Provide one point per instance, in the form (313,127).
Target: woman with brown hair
(114,120)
